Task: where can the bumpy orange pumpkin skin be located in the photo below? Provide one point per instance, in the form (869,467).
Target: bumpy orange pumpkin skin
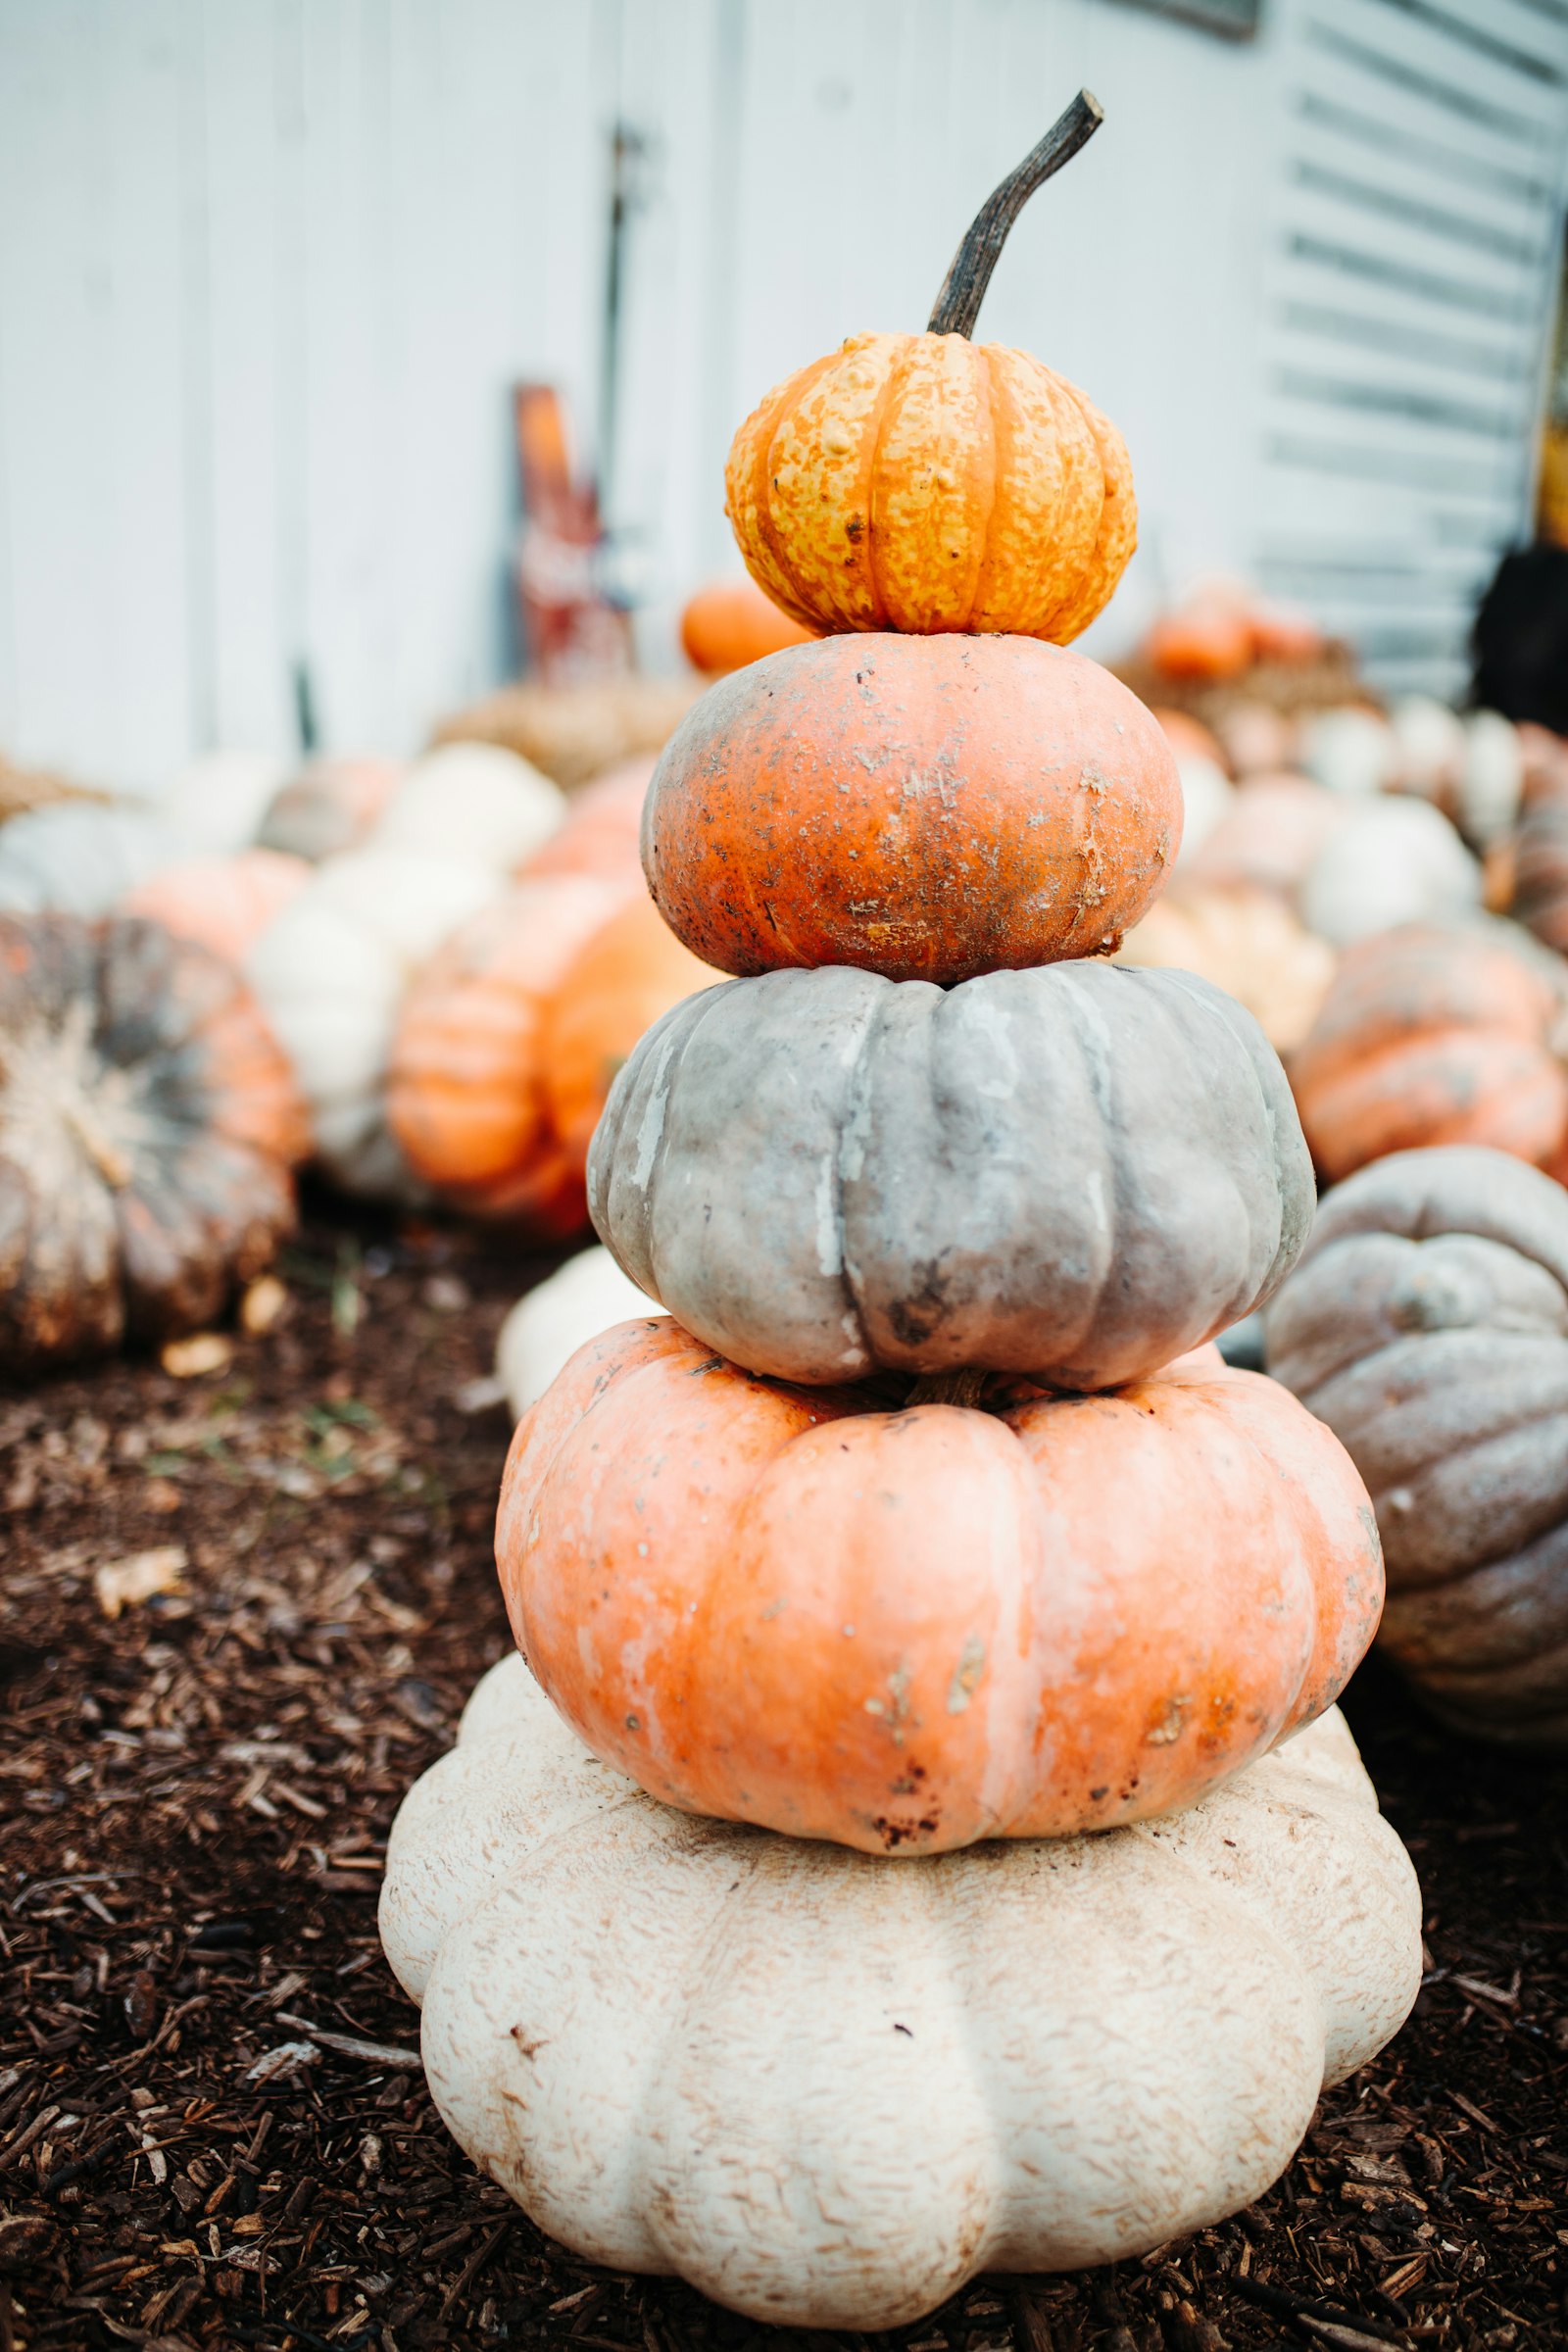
(906,1630)
(732,622)
(929,809)
(1432,1033)
(926,484)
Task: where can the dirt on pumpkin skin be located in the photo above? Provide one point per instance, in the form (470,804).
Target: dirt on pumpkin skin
(213,2128)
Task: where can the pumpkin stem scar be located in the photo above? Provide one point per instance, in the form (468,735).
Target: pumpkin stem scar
(963,289)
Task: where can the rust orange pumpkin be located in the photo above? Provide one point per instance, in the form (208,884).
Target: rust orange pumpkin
(1433,1034)
(905,1630)
(925,482)
(510,1039)
(925,808)
(732,622)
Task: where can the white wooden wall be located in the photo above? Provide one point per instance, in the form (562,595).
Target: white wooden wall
(268,266)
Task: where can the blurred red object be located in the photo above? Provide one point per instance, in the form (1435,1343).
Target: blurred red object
(570,629)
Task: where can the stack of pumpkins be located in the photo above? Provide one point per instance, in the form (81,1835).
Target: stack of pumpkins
(764,1938)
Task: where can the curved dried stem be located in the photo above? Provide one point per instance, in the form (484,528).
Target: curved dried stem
(963,289)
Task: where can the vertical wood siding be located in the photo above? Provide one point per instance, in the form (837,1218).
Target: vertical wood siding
(267,267)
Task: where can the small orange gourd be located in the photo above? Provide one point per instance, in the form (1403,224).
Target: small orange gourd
(926,482)
(732,622)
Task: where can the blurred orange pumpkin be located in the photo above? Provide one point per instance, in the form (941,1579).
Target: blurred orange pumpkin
(1434,1033)
(730,623)
(603,832)
(509,1040)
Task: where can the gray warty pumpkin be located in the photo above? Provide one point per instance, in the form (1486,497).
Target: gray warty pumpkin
(1074,1174)
(1427,1324)
(147,1122)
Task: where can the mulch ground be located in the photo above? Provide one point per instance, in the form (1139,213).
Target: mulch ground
(213,2127)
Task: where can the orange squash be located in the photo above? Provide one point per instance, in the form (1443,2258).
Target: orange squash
(602,831)
(905,1630)
(925,482)
(1204,643)
(509,1040)
(632,970)
(223,904)
(1433,1034)
(732,622)
(925,808)
(1188,737)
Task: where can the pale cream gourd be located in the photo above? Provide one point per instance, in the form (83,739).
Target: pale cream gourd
(329,975)
(546,1328)
(827,2088)
(1392,861)
(473,802)
(217,801)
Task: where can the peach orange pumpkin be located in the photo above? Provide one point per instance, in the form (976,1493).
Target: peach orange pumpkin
(1433,1034)
(925,808)
(223,904)
(907,1628)
(732,622)
(926,482)
(602,831)
(1250,943)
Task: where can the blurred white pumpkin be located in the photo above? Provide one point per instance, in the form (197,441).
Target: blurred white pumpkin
(329,975)
(1351,750)
(1392,861)
(219,801)
(1430,741)
(547,1327)
(78,857)
(1207,796)
(1491,779)
(472,801)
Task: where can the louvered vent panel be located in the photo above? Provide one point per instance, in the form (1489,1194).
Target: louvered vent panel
(1412,268)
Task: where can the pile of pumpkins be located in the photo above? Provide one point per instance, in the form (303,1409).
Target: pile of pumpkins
(927,1644)
(437,971)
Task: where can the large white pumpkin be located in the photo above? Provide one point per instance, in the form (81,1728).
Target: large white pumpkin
(546,1328)
(1392,861)
(472,800)
(828,2088)
(329,975)
(80,857)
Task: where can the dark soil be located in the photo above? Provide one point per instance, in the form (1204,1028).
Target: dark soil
(197,1795)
